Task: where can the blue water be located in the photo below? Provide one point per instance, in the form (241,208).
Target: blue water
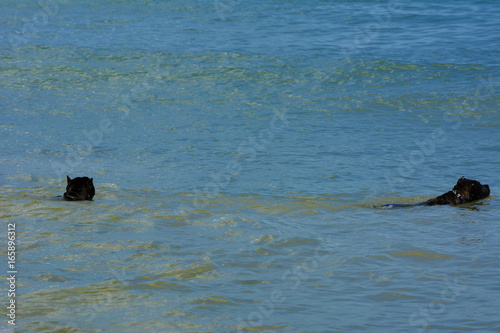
(239,150)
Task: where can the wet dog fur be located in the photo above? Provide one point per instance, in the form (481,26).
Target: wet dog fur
(79,188)
(464,191)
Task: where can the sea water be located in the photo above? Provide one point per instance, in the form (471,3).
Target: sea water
(239,151)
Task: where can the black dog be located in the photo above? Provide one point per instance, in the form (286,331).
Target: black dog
(79,188)
(465,190)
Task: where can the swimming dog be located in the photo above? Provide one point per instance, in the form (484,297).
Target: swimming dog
(79,188)
(464,191)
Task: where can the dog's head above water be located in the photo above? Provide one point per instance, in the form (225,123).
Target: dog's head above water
(464,191)
(79,188)
(470,190)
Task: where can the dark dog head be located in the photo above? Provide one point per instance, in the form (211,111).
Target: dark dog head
(79,188)
(470,190)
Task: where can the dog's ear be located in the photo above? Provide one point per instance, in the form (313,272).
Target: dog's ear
(92,181)
(68,179)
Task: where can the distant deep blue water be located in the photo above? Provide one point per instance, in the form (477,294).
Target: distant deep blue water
(238,149)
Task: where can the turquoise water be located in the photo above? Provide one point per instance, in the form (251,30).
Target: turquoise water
(238,151)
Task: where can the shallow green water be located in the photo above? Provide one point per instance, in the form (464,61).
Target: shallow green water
(238,152)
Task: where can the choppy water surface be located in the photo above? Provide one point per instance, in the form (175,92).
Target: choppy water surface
(239,151)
